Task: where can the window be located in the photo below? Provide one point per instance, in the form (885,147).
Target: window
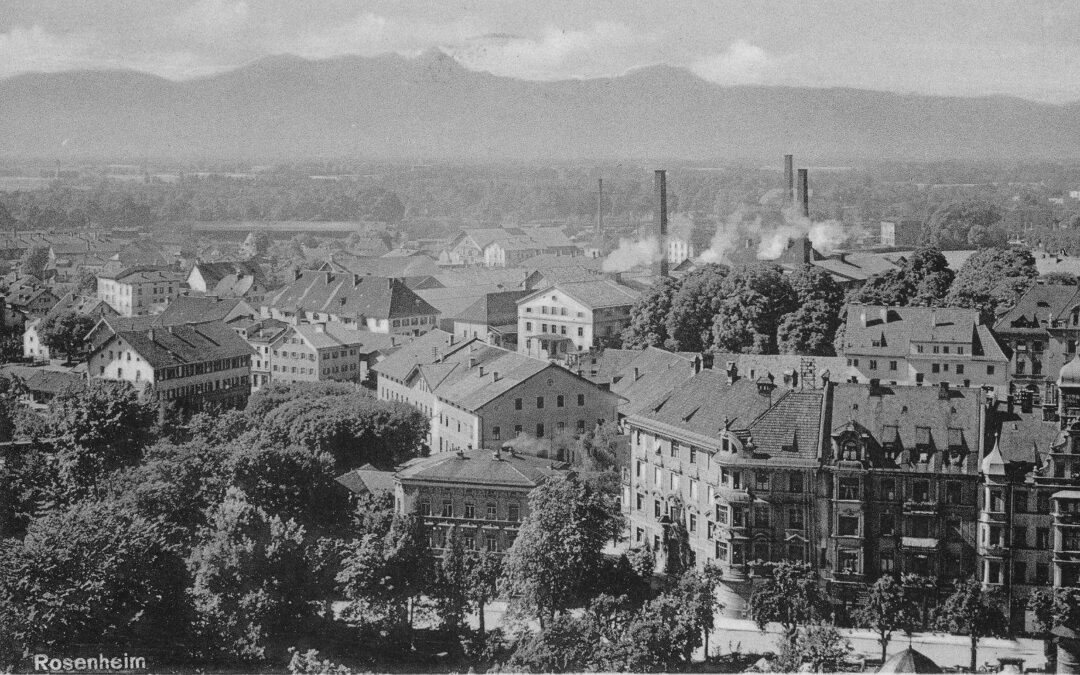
(559,401)
(491,510)
(1043,502)
(693,455)
(1042,538)
(425,507)
(448,508)
(581,399)
(639,503)
(674,450)
(1042,573)
(692,523)
(796,519)
(849,488)
(581,331)
(892,365)
(658,476)
(935,367)
(989,370)
(936,349)
(873,364)
(491,541)
(959,369)
(738,516)
(656,511)
(795,481)
(496,433)
(997,502)
(847,526)
(920,491)
(721,515)
(953,492)
(886,562)
(847,561)
(470,510)
(721,550)
(539,430)
(513,511)
(888,524)
(693,489)
(539,402)
(761,515)
(761,480)
(518,404)
(920,526)
(674,482)
(888,489)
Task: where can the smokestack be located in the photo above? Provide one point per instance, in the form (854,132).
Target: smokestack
(804,193)
(661,218)
(789,179)
(600,206)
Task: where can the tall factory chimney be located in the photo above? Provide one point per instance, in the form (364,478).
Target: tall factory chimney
(789,180)
(600,206)
(804,193)
(661,218)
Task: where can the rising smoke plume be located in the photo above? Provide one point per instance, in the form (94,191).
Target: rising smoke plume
(632,253)
(826,236)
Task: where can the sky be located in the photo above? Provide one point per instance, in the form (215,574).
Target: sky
(1029,49)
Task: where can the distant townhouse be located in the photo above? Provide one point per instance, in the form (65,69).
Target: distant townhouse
(492,318)
(201,309)
(228,279)
(901,233)
(312,352)
(30,295)
(192,366)
(1040,334)
(923,345)
(567,318)
(736,462)
(483,494)
(140,291)
(511,246)
(377,304)
(480,396)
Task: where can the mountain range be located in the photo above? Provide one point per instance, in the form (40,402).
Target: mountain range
(432,108)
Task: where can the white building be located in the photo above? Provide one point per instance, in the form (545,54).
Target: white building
(568,318)
(140,291)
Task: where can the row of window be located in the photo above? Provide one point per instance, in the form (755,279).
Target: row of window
(205,387)
(491,510)
(994,535)
(414,321)
(560,402)
(995,501)
(437,538)
(942,349)
(560,427)
(555,329)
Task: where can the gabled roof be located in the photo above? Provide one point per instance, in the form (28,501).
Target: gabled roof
(214,272)
(195,309)
(649,374)
(592,294)
(81,304)
(330,335)
(425,349)
(188,343)
(894,328)
(509,278)
(367,480)
(548,260)
(410,266)
(1042,306)
(481,467)
(493,309)
(350,295)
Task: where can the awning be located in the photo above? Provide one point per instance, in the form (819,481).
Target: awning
(919,542)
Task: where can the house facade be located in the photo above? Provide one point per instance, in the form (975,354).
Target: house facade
(140,291)
(569,318)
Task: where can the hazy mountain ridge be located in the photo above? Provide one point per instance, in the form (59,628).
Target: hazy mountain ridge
(389,107)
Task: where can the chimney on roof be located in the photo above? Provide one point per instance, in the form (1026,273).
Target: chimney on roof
(875,386)
(356,279)
(150,334)
(863,318)
(732,372)
(494,376)
(481,371)
(789,180)
(497,455)
(329,277)
(472,362)
(825,375)
(637,373)
(884,314)
(296,274)
(804,193)
(943,391)
(662,218)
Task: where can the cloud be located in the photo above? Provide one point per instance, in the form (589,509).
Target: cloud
(601,49)
(211,20)
(741,63)
(35,49)
(369,34)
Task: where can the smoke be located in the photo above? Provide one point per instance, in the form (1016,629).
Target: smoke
(773,237)
(727,237)
(632,253)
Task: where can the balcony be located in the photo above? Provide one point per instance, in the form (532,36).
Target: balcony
(924,506)
(992,516)
(848,575)
(921,544)
(1066,518)
(1067,557)
(993,550)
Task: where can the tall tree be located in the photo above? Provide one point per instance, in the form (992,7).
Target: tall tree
(649,316)
(950,225)
(555,560)
(972,610)
(790,597)
(693,306)
(923,279)
(811,328)
(34,261)
(992,280)
(485,569)
(755,298)
(251,580)
(886,608)
(66,332)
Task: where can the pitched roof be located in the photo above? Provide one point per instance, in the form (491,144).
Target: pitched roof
(330,335)
(350,295)
(367,480)
(194,309)
(392,266)
(509,278)
(187,343)
(894,328)
(81,304)
(493,309)
(781,366)
(454,300)
(649,374)
(214,272)
(593,294)
(1041,307)
(51,381)
(424,349)
(548,260)
(481,467)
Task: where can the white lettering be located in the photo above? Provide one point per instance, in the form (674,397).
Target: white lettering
(55,664)
(117,663)
(80,664)
(41,662)
(68,664)
(138,663)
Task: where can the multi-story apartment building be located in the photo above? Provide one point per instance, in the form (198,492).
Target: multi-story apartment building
(310,352)
(736,461)
(923,345)
(1040,334)
(139,291)
(901,476)
(377,304)
(568,318)
(484,494)
(189,366)
(492,318)
(480,396)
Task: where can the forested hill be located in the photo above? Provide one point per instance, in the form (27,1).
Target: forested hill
(430,108)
